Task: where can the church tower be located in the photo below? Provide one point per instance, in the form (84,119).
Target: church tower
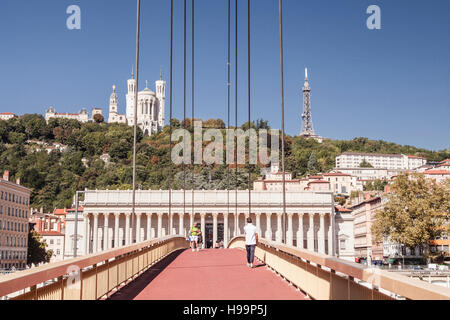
(161,96)
(307,127)
(131,96)
(113,105)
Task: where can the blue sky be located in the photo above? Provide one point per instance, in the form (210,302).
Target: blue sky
(391,84)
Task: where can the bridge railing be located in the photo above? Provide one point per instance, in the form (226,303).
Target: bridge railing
(324,277)
(89,277)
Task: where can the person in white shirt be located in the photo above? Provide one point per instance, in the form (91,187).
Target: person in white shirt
(251,239)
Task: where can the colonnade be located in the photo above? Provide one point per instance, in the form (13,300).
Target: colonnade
(311,231)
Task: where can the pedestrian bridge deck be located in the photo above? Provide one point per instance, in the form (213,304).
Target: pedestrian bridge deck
(214,274)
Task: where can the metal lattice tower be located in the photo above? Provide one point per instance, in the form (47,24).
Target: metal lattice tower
(307,126)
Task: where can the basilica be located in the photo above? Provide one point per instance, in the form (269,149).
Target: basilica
(150,107)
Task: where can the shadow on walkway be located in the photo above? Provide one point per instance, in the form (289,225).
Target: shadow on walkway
(132,289)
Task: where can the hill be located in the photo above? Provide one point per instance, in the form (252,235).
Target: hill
(54,175)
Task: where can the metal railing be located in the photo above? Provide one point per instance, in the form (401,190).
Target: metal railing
(323,277)
(89,277)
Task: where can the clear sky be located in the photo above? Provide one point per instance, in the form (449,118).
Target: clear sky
(391,84)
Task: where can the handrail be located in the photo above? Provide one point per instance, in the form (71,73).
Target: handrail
(28,278)
(401,285)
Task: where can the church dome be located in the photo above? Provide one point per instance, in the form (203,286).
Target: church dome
(147,91)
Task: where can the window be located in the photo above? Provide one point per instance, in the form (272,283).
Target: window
(51,241)
(342,244)
(58,242)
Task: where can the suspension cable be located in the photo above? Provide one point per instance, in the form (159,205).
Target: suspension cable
(193,101)
(280,13)
(229,94)
(171,110)
(135,121)
(249,114)
(184,116)
(236,117)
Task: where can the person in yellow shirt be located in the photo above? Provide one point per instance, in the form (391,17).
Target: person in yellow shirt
(194,233)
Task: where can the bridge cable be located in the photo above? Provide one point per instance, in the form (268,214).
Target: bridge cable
(229,94)
(236,217)
(249,112)
(171,109)
(135,122)
(184,116)
(280,14)
(193,103)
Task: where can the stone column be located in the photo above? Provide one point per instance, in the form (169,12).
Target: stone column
(290,231)
(87,233)
(268,226)
(160,216)
(203,216)
(258,223)
(138,227)
(116,230)
(127,228)
(191,220)
(225,230)
(215,230)
(321,234)
(237,229)
(311,232)
(106,245)
(95,233)
(278,234)
(300,236)
(149,226)
(181,226)
(331,235)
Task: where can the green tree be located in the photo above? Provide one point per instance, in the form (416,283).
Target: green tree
(36,250)
(98,118)
(365,164)
(416,211)
(312,164)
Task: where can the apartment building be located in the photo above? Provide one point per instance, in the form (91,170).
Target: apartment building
(14,213)
(381,161)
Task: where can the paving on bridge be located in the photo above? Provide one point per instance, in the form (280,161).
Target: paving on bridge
(216,274)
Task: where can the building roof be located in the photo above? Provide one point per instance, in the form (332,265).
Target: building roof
(371,154)
(319,181)
(343,210)
(417,157)
(436,172)
(337,174)
(7,114)
(50,233)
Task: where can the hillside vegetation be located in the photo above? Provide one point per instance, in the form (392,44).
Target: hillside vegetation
(54,177)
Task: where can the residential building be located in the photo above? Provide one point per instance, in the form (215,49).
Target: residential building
(82,116)
(14,214)
(366,246)
(345,239)
(7,115)
(380,161)
(50,228)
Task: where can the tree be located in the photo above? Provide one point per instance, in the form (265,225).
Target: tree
(415,213)
(365,164)
(98,118)
(312,164)
(36,249)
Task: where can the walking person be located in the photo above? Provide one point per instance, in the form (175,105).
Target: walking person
(251,239)
(194,233)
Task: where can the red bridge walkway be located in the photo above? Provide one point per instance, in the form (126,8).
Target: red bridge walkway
(216,274)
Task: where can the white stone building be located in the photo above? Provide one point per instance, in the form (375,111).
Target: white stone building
(7,115)
(106,220)
(114,116)
(345,239)
(82,115)
(381,161)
